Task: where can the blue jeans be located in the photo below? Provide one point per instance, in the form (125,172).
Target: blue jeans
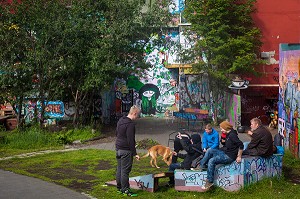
(172,168)
(213,157)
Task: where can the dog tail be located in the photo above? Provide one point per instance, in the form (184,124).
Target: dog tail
(146,155)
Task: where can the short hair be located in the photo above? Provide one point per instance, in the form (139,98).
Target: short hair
(256,120)
(134,109)
(208,126)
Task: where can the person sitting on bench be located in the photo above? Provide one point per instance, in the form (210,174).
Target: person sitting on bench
(193,150)
(261,143)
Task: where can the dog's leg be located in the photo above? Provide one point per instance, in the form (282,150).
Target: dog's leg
(155,163)
(151,162)
(154,157)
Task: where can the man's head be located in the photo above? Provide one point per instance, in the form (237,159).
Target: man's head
(225,126)
(208,128)
(134,112)
(255,123)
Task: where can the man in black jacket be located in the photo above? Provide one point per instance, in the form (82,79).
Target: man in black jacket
(125,150)
(261,143)
(192,148)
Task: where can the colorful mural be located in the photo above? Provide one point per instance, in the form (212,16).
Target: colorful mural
(53,110)
(289,95)
(233,109)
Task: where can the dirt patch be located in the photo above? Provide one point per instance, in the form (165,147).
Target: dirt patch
(79,180)
(103,165)
(81,186)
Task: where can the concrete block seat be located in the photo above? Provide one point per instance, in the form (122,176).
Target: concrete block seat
(145,182)
(231,177)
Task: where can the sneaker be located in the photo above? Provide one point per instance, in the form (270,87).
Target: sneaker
(170,185)
(198,168)
(207,186)
(129,193)
(119,191)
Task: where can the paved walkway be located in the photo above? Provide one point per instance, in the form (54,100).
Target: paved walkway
(15,186)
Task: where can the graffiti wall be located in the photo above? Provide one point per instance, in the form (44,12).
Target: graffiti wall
(289,95)
(53,110)
(233,109)
(231,177)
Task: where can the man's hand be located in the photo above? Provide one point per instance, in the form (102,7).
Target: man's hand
(137,157)
(179,136)
(238,159)
(174,153)
(250,133)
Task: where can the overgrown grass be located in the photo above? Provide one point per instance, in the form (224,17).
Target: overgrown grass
(88,170)
(37,139)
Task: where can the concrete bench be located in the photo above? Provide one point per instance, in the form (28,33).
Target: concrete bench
(231,177)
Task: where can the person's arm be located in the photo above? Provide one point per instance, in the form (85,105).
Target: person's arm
(255,139)
(239,156)
(187,146)
(234,137)
(204,142)
(130,132)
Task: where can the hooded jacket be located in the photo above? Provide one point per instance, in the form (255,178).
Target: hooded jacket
(210,140)
(125,133)
(192,150)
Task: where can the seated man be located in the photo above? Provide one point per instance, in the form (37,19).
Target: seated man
(261,143)
(231,151)
(193,150)
(210,138)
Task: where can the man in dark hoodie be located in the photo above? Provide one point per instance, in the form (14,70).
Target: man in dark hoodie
(192,148)
(125,150)
(261,143)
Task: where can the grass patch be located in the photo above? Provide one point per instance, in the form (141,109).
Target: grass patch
(88,170)
(38,139)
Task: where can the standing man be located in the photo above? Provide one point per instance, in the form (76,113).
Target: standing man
(232,150)
(261,143)
(125,150)
(210,138)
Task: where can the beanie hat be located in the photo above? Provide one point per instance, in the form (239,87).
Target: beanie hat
(226,125)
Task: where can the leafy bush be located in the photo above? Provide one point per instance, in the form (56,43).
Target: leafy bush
(146,143)
(67,137)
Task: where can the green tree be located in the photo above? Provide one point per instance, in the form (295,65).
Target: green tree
(74,49)
(226,41)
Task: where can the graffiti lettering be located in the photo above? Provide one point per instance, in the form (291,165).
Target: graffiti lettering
(54,108)
(194,178)
(142,185)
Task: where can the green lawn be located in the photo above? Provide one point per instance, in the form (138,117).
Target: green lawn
(88,170)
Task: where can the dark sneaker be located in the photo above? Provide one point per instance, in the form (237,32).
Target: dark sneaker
(207,186)
(170,185)
(129,193)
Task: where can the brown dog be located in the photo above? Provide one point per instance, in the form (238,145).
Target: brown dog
(159,150)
